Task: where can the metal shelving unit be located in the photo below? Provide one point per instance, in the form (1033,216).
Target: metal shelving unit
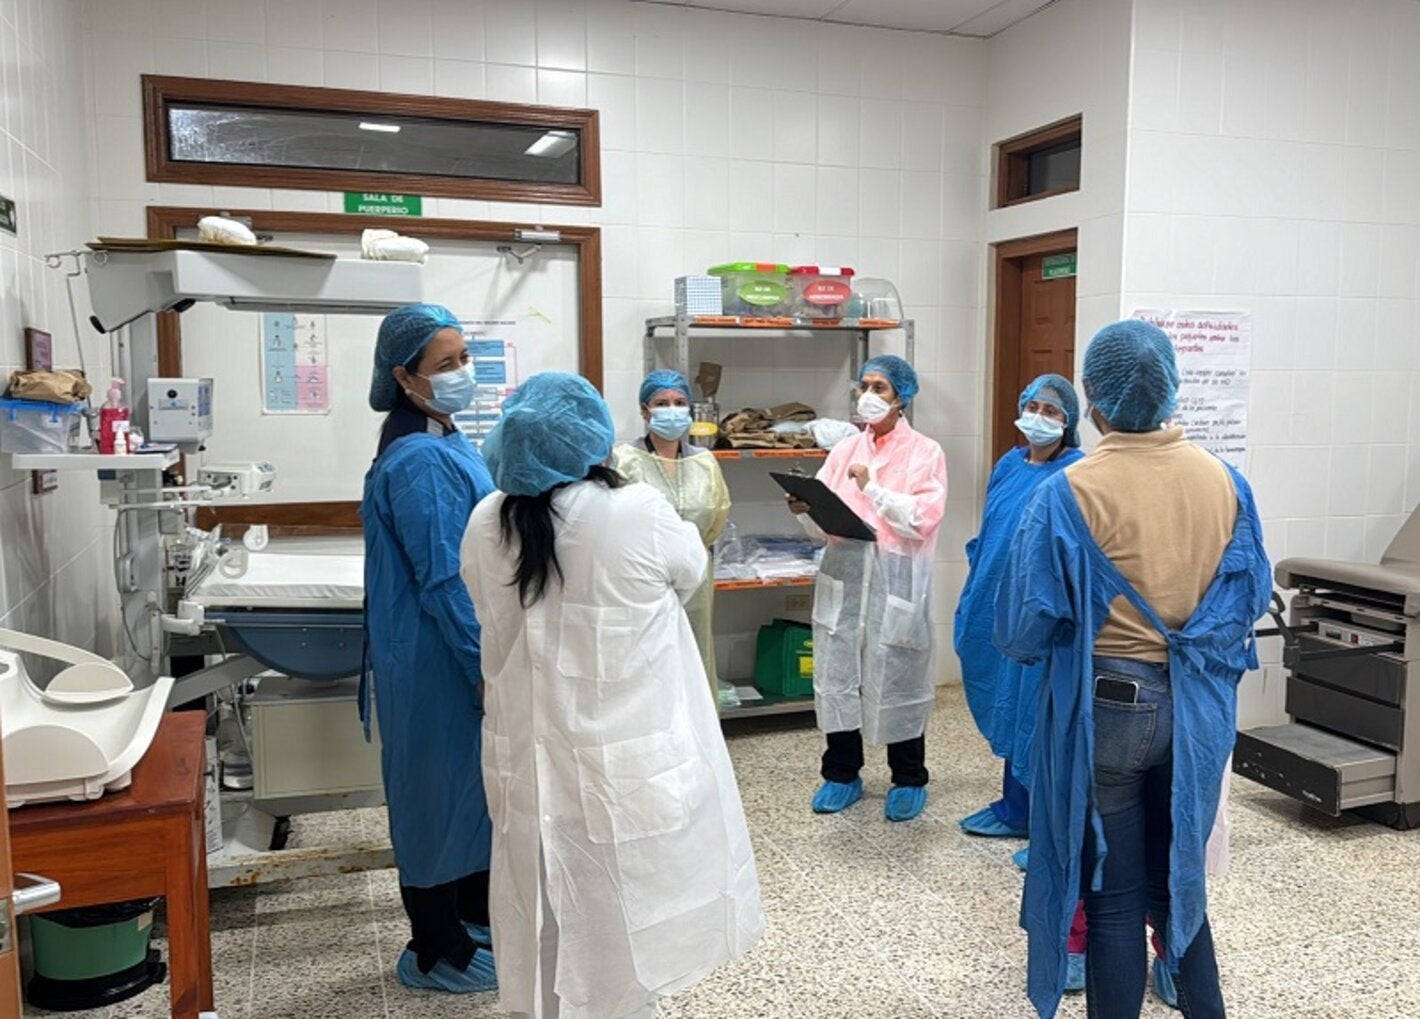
(680,328)
(771,454)
(770,705)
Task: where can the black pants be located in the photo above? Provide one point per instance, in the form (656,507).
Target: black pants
(437,916)
(844,758)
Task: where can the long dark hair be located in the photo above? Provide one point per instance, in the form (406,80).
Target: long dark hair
(397,423)
(530,518)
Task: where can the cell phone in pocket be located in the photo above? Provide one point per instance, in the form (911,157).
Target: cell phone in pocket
(1121,691)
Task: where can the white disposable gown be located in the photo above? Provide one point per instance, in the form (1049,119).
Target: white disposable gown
(615,811)
(872,610)
(696,488)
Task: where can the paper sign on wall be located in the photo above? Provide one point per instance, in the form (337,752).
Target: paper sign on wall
(493,347)
(1214,351)
(295,368)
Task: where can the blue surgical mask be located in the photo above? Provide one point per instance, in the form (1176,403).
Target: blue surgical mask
(1040,430)
(670,422)
(453,390)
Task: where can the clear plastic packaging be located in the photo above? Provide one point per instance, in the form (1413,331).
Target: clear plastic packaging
(29,426)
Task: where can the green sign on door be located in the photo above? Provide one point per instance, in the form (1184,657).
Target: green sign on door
(1054,267)
(365,203)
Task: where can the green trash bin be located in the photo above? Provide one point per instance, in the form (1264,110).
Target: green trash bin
(93,957)
(784,659)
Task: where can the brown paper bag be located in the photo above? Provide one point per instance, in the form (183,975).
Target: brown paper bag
(58,386)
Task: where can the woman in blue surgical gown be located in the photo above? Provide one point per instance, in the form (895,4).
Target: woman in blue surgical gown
(1049,420)
(423,649)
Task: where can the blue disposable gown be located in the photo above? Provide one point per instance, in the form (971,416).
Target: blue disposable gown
(424,656)
(994,682)
(1054,596)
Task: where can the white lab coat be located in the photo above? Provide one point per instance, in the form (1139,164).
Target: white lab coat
(615,808)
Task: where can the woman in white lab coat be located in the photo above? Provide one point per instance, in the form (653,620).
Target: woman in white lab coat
(622,867)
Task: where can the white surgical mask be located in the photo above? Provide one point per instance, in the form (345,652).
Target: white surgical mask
(872,408)
(1040,430)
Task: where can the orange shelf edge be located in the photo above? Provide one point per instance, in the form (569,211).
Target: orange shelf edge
(748,585)
(770,454)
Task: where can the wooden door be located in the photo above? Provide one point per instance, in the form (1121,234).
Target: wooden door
(1035,328)
(9,945)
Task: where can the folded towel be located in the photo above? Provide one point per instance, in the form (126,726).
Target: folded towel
(220,230)
(388,246)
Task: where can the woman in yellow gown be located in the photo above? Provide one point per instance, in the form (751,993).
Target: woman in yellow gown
(690,478)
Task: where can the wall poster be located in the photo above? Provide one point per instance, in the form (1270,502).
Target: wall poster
(1214,350)
(295,368)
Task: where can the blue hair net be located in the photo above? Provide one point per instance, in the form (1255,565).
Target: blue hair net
(403,334)
(554,427)
(897,371)
(663,378)
(1131,375)
(1057,390)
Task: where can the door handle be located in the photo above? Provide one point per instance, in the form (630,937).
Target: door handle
(34,892)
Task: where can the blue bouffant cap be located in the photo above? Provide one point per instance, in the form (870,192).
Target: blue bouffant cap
(663,378)
(897,371)
(403,334)
(554,428)
(1057,390)
(1131,375)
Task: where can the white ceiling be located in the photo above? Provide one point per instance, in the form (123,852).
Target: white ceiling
(980,18)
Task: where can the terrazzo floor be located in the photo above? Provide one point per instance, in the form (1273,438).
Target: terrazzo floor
(1316,920)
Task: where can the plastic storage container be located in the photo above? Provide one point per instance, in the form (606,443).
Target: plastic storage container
(705,424)
(875,300)
(756,289)
(29,426)
(784,659)
(822,291)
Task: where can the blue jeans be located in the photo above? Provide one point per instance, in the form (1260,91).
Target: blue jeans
(1133,793)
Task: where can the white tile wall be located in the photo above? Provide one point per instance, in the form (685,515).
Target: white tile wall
(1232,157)
(1287,158)
(724,137)
(54,548)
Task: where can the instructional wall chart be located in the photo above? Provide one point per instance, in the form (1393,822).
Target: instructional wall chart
(493,344)
(295,368)
(1214,351)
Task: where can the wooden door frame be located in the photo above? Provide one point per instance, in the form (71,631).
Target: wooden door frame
(1007,257)
(165,221)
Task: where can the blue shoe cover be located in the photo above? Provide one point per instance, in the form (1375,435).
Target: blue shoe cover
(835,796)
(904,802)
(482,936)
(1021,858)
(479,976)
(985,823)
(1164,988)
(1075,972)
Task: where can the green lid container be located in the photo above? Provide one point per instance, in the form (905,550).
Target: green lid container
(754,288)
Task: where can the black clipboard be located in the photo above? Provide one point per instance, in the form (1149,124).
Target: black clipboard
(825,508)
